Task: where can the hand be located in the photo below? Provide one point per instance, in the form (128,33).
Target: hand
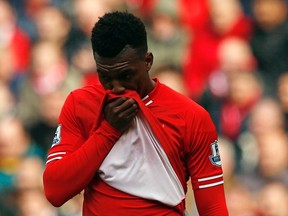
(120,112)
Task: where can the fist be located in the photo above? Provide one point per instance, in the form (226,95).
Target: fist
(121,112)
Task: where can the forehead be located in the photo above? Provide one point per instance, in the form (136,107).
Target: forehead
(127,57)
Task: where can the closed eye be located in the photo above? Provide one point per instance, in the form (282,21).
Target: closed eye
(126,75)
(104,78)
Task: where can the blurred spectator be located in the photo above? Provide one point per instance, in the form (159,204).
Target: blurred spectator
(14,38)
(273,156)
(282,93)
(167,39)
(83,61)
(34,203)
(57,30)
(240,202)
(27,12)
(247,7)
(29,174)
(84,14)
(6,69)
(142,9)
(15,144)
(271,142)
(269,41)
(273,199)
(44,128)
(265,117)
(8,101)
(235,56)
(193,15)
(46,86)
(171,76)
(8,76)
(244,91)
(226,19)
(73,207)
(29,196)
(7,206)
(87,12)
(23,20)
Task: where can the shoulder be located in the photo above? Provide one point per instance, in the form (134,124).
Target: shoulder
(84,103)
(87,92)
(183,107)
(91,95)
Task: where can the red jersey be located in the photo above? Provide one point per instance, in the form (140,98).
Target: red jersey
(84,139)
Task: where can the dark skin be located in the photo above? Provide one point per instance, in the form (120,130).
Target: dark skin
(128,70)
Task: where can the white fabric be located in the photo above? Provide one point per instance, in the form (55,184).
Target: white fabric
(138,165)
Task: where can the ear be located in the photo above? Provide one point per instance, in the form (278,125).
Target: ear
(149,60)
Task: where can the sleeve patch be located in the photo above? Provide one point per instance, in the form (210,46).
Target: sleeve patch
(215,157)
(57,136)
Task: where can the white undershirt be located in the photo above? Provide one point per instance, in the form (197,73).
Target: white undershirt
(138,165)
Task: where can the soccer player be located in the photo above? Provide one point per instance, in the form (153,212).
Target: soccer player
(132,143)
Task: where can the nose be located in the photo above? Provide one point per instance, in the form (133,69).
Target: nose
(117,87)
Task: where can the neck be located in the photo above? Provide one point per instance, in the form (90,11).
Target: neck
(150,87)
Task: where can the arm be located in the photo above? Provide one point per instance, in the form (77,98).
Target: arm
(72,162)
(204,165)
(211,201)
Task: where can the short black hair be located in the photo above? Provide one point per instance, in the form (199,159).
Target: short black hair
(116,30)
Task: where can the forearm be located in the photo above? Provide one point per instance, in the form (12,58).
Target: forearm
(67,177)
(211,201)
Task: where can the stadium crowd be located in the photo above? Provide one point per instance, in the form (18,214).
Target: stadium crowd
(230,56)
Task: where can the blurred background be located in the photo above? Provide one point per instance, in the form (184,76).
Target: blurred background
(230,56)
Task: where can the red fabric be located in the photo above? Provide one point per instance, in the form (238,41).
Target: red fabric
(123,203)
(144,7)
(205,200)
(88,157)
(21,47)
(202,58)
(232,116)
(193,14)
(91,78)
(231,120)
(87,138)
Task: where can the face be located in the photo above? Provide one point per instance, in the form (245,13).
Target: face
(128,70)
(270,13)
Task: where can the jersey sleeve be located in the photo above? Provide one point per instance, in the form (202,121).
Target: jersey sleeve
(204,165)
(73,159)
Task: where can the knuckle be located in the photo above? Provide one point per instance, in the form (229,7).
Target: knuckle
(131,101)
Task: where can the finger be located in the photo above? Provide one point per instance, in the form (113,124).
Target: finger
(115,105)
(117,102)
(129,103)
(129,112)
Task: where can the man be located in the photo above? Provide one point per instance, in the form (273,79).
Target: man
(132,143)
